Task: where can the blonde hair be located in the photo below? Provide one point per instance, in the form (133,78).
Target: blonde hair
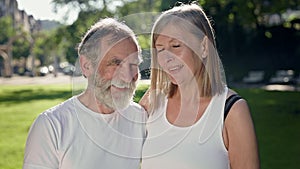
(209,75)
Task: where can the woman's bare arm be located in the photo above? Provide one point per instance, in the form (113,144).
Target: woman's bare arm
(241,138)
(144,101)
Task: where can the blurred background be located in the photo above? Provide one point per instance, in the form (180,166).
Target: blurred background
(258,42)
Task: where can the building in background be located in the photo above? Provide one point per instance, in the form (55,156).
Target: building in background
(20,19)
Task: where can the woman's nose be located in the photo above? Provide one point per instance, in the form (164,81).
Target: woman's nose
(168,57)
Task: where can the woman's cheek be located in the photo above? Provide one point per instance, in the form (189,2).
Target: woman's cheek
(161,63)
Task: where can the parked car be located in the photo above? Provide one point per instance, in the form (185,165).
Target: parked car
(68,70)
(283,77)
(43,71)
(71,70)
(254,76)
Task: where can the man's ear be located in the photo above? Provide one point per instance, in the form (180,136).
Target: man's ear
(204,47)
(86,66)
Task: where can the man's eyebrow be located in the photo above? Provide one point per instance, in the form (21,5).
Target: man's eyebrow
(113,60)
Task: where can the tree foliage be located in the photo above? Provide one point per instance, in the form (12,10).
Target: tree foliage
(242,29)
(21,48)
(15,36)
(247,39)
(6,30)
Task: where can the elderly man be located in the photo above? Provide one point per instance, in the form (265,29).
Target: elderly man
(101,127)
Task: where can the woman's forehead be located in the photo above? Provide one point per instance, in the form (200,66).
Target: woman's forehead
(172,32)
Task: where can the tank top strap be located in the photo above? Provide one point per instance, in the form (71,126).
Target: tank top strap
(214,117)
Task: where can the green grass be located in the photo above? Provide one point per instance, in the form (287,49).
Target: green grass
(19,106)
(276,117)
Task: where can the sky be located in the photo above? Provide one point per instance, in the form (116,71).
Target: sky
(43,10)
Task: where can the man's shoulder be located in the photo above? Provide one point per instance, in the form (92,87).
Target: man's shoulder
(135,110)
(135,113)
(135,106)
(61,109)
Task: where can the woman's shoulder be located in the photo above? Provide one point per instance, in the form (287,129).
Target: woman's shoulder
(239,106)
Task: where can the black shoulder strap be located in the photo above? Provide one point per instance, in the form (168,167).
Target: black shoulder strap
(229,102)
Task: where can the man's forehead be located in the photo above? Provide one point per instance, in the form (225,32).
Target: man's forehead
(112,40)
(109,45)
(124,49)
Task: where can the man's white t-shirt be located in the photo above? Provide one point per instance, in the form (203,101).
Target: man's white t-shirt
(71,136)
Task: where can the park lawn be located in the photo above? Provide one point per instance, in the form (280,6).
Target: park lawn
(19,106)
(276,117)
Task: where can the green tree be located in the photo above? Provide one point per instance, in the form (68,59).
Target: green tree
(70,35)
(242,28)
(6,30)
(46,47)
(18,41)
(167,4)
(21,47)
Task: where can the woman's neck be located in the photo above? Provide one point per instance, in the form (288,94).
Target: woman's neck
(187,105)
(188,91)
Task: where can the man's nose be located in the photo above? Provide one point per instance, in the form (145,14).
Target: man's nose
(127,74)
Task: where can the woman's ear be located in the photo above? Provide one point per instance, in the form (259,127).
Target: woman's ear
(204,47)
(86,66)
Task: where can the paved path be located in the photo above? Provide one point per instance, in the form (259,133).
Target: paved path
(79,80)
(25,80)
(48,79)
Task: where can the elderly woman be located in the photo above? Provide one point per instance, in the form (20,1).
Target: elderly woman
(187,126)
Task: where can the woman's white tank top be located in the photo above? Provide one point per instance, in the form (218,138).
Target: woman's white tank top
(199,146)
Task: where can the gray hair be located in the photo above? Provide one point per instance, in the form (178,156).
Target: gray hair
(90,45)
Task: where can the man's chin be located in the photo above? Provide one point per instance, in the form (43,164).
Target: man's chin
(121,103)
(114,99)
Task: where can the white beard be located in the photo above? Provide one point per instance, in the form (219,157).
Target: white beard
(113,100)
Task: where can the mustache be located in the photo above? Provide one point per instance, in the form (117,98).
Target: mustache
(122,84)
(106,84)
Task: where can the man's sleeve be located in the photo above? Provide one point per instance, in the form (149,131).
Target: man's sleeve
(41,151)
